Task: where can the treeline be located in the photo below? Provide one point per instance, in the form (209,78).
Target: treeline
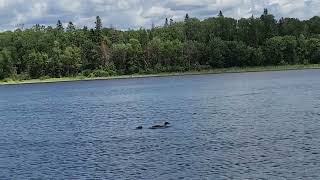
(216,42)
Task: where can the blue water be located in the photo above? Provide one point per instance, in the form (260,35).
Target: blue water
(229,126)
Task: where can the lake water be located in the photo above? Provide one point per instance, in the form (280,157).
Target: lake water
(228,126)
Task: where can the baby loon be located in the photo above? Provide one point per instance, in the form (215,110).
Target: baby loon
(165,125)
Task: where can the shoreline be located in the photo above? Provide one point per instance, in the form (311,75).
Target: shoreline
(136,76)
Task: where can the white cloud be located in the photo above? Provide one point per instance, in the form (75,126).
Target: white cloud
(156,11)
(136,13)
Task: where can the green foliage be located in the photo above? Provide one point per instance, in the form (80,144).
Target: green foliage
(313,50)
(6,64)
(192,44)
(99,73)
(192,28)
(314,25)
(71,61)
(291,26)
(38,63)
(281,50)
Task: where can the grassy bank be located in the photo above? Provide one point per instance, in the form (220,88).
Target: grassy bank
(213,71)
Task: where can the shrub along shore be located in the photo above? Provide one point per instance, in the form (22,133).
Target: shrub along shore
(213,71)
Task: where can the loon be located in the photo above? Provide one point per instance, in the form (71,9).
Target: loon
(165,125)
(139,128)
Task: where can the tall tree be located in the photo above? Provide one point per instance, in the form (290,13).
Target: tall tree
(314,25)
(171,21)
(98,28)
(70,27)
(166,24)
(186,18)
(192,29)
(265,12)
(71,60)
(38,63)
(98,23)
(269,25)
(59,26)
(6,64)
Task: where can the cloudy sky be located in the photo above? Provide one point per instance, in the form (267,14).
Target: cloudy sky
(124,14)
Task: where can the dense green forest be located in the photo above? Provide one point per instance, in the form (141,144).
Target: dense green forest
(189,45)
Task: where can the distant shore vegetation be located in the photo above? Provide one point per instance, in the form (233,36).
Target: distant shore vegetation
(217,42)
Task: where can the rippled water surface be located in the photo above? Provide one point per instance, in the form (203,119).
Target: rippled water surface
(228,126)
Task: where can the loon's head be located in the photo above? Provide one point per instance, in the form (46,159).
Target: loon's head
(166,123)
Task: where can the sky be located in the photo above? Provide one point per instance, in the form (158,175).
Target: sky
(131,14)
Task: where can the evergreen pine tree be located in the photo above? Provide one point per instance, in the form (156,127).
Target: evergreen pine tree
(59,26)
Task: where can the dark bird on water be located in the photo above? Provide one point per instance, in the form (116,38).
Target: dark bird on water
(165,125)
(139,127)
